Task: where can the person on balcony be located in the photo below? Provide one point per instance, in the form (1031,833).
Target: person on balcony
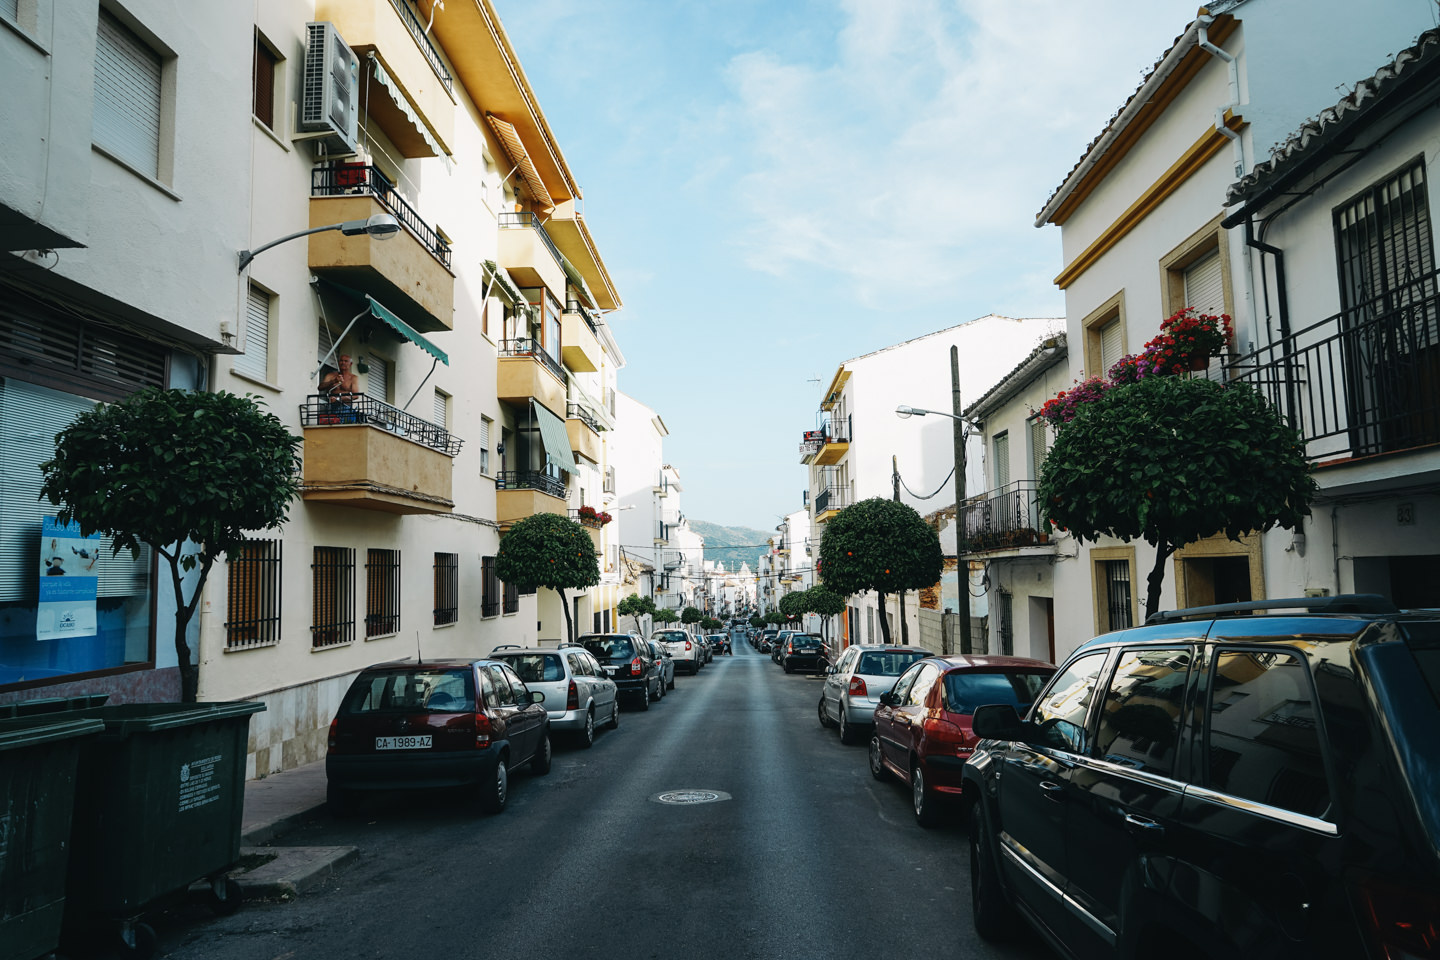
(340,384)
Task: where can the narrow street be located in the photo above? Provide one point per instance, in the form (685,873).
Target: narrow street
(806,856)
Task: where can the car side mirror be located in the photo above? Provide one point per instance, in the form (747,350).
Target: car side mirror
(998,721)
(537,696)
(830,671)
(889,699)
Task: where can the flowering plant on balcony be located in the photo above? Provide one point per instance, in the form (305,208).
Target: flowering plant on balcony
(1062,408)
(594,518)
(1189,339)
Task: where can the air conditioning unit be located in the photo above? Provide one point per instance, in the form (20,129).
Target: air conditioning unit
(331,89)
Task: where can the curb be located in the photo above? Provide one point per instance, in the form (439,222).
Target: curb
(293,871)
(267,830)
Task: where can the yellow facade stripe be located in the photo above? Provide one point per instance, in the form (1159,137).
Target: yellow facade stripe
(1171,180)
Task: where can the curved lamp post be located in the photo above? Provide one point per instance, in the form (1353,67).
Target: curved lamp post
(381,226)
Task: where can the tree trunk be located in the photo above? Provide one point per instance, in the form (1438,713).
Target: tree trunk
(884,622)
(1163,552)
(569,627)
(189,672)
(904,625)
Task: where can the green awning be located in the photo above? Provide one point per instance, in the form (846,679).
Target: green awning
(577,280)
(556,440)
(504,285)
(405,330)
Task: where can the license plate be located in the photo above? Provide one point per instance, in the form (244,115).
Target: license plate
(610,671)
(403,743)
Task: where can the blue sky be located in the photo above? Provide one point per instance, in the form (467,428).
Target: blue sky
(779,186)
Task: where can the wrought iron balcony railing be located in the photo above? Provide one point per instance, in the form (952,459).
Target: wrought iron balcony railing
(574,411)
(528,221)
(530,347)
(1362,382)
(345,179)
(831,499)
(586,314)
(530,480)
(1008,517)
(320,410)
(422,40)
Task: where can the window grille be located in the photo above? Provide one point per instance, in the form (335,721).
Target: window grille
(263,83)
(512,598)
(1007,623)
(447,588)
(1117,594)
(255,361)
(252,615)
(126,119)
(489,588)
(382,593)
(333,610)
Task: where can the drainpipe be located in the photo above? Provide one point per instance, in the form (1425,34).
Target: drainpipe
(1283,306)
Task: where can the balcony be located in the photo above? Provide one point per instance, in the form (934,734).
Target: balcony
(524,493)
(1363,382)
(529,255)
(526,371)
(592,527)
(409,272)
(827,444)
(583,431)
(1006,519)
(419,117)
(580,344)
(829,502)
(367,454)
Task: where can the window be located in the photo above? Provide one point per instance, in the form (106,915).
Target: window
(1140,718)
(442,410)
(485,423)
(924,683)
(255,361)
(596,627)
(504,692)
(1105,336)
(1006,602)
(1263,743)
(10,10)
(262,100)
(1039,448)
(1114,599)
(377,383)
(126,121)
(1000,444)
(1204,285)
(1059,716)
(512,599)
(382,593)
(252,614)
(447,588)
(332,618)
(489,588)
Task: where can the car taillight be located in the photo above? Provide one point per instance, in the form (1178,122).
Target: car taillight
(637,667)
(943,731)
(572,697)
(334,734)
(1404,923)
(482,731)
(687,645)
(857,687)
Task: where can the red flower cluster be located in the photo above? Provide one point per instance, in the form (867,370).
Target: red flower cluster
(1063,407)
(593,517)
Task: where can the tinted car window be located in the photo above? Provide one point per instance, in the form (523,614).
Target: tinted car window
(924,683)
(805,642)
(422,690)
(884,663)
(1263,742)
(503,694)
(966,691)
(903,685)
(1060,715)
(518,691)
(535,667)
(1140,720)
(671,636)
(610,648)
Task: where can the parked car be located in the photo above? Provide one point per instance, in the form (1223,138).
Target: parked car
(439,723)
(779,644)
(719,643)
(767,639)
(922,726)
(683,648)
(802,651)
(578,694)
(853,686)
(666,664)
(629,661)
(1222,782)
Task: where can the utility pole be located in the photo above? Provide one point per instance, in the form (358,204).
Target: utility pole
(962,566)
(900,596)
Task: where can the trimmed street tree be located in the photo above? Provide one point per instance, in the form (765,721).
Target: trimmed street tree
(879,545)
(691,615)
(826,603)
(666,616)
(1171,460)
(710,624)
(757,621)
(185,473)
(545,550)
(635,606)
(792,605)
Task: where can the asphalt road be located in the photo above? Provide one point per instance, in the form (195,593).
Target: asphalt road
(804,856)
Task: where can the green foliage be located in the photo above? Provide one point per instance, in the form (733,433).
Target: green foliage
(546,550)
(1172,460)
(774,617)
(691,615)
(792,605)
(710,624)
(879,545)
(666,616)
(757,621)
(822,600)
(637,606)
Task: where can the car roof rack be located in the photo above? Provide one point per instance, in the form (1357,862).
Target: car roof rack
(1340,603)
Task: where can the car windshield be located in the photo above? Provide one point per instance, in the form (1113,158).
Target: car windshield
(964,691)
(805,643)
(420,690)
(671,636)
(887,663)
(535,667)
(610,648)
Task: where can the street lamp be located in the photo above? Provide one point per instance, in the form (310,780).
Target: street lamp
(381,226)
(962,569)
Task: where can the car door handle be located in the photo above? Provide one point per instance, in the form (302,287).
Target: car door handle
(1143,826)
(1052,790)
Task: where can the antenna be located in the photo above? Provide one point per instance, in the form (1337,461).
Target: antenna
(418,658)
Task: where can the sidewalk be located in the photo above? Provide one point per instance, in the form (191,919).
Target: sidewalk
(274,806)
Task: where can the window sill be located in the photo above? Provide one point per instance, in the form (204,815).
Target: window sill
(138,172)
(346,644)
(264,128)
(24,34)
(383,636)
(246,648)
(446,626)
(255,380)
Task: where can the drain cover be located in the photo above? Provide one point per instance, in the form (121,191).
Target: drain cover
(690,797)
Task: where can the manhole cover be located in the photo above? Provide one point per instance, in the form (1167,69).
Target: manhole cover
(690,797)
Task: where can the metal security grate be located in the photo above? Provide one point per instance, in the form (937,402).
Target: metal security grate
(333,611)
(489,588)
(512,598)
(447,588)
(253,606)
(382,593)
(1117,594)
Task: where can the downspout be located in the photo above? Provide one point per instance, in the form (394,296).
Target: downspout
(1283,306)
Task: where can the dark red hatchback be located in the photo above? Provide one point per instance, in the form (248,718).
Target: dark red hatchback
(434,724)
(922,726)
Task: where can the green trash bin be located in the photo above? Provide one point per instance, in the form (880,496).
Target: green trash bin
(158,807)
(38,759)
(29,708)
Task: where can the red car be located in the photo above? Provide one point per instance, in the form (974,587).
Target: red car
(922,726)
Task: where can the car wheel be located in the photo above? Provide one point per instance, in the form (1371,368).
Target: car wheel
(787,668)
(645,697)
(495,789)
(587,732)
(927,812)
(848,733)
(877,763)
(615,714)
(991,912)
(660,690)
(672,681)
(540,763)
(825,720)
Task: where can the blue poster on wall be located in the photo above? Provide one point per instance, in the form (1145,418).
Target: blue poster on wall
(68,581)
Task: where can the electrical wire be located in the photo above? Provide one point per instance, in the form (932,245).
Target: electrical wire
(943,484)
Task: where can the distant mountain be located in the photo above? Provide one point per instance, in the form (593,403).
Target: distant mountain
(731,545)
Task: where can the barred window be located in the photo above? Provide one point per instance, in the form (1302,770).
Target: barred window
(262,73)
(333,577)
(447,588)
(252,614)
(382,593)
(489,588)
(512,598)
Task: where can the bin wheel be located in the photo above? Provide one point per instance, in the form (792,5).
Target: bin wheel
(137,941)
(225,896)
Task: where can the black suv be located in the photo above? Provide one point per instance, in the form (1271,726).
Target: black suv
(629,661)
(1222,783)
